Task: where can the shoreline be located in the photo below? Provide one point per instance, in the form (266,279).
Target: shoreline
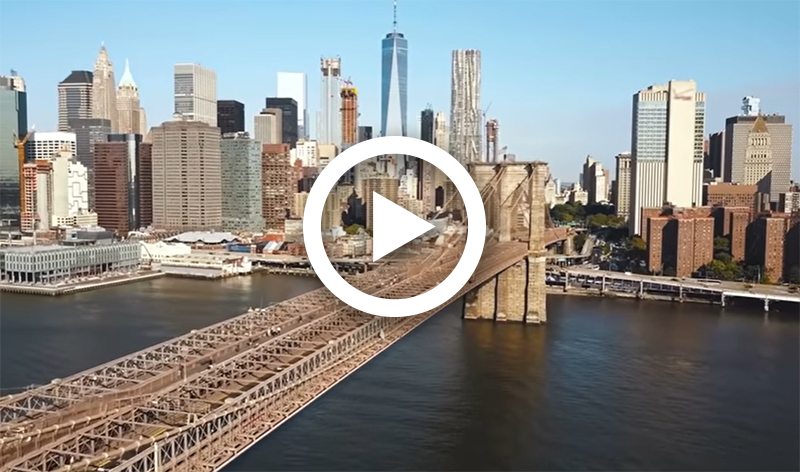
(68,289)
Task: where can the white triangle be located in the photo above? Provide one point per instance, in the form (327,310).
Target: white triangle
(393,226)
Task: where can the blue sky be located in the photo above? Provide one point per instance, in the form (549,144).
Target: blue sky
(559,76)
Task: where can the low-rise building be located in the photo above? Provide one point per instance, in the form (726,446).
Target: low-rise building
(56,264)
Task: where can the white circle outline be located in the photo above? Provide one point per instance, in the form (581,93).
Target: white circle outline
(438,295)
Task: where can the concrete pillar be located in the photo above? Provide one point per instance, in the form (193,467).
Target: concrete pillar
(766,304)
(511,293)
(722,299)
(566,282)
(537,290)
(569,246)
(479,304)
(537,262)
(680,293)
(603,284)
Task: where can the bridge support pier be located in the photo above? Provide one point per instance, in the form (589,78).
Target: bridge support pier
(511,293)
(569,246)
(480,304)
(766,304)
(722,299)
(514,198)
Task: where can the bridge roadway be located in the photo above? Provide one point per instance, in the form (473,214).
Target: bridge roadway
(722,289)
(196,402)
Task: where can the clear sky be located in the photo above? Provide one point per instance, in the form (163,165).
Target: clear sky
(558,75)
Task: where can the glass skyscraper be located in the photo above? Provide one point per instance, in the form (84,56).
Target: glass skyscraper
(394,85)
(14,110)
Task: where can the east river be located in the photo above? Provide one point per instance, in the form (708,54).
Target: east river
(605,385)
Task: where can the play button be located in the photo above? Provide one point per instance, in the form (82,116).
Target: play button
(393,226)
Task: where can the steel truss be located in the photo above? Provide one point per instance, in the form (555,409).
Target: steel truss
(246,378)
(130,379)
(197,411)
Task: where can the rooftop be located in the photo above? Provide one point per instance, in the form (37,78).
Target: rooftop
(79,77)
(205,237)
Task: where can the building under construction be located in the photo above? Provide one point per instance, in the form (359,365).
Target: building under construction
(349,96)
(492,141)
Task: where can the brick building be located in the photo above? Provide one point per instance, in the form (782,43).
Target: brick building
(766,245)
(679,244)
(731,195)
(278,185)
(123,183)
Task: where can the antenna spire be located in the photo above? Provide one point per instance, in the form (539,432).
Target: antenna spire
(394,20)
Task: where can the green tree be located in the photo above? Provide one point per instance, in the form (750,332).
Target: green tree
(352,229)
(597,220)
(722,245)
(793,275)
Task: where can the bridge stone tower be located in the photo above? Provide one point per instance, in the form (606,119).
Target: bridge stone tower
(513,196)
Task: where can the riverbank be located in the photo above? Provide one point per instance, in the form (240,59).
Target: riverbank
(67,289)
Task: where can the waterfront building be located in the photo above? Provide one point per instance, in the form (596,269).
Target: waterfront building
(75,98)
(668,129)
(294,85)
(14,110)
(62,263)
(104,90)
(230,116)
(196,93)
(242,190)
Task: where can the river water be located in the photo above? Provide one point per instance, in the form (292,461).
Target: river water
(605,385)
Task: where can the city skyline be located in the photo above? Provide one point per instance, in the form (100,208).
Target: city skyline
(518,91)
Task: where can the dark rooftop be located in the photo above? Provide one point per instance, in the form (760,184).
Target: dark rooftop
(78,77)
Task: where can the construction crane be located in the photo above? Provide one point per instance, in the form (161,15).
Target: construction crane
(20,145)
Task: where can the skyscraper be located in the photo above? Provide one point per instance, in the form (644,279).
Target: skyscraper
(196,93)
(441,137)
(668,129)
(394,82)
(267,127)
(230,116)
(104,90)
(288,108)
(329,128)
(622,193)
(758,150)
(74,98)
(124,183)
(129,109)
(87,133)
(349,97)
(426,131)
(465,106)
(241,183)
(594,181)
(14,121)
(187,188)
(294,85)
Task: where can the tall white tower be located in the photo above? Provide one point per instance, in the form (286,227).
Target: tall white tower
(329,128)
(128,105)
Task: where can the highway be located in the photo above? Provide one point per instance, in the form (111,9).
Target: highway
(726,289)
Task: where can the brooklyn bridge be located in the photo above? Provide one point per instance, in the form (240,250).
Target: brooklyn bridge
(196,402)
